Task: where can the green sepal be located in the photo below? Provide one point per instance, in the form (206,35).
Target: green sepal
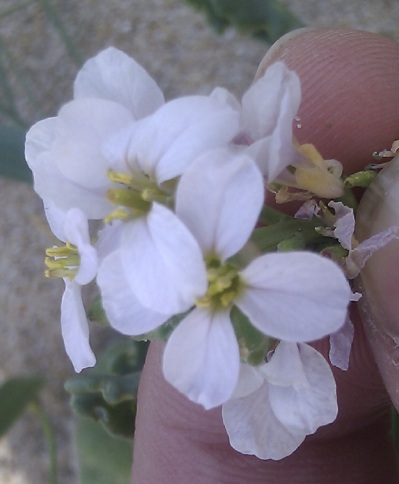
(253,344)
(335,252)
(15,396)
(296,242)
(268,238)
(96,312)
(360,179)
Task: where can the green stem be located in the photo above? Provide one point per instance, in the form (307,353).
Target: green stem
(270,216)
(50,438)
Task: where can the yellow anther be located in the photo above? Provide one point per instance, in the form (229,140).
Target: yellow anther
(119,177)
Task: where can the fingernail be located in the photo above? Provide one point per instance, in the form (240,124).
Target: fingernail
(379,210)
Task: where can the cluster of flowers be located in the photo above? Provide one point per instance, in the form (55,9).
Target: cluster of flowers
(162,204)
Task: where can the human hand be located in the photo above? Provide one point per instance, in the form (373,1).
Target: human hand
(349,109)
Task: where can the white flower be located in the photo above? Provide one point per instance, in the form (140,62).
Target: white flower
(64,153)
(77,265)
(268,109)
(157,250)
(277,404)
(280,293)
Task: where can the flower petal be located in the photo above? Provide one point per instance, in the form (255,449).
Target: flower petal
(202,358)
(164,144)
(341,345)
(305,408)
(115,76)
(124,311)
(82,127)
(295,296)
(75,328)
(223,220)
(162,261)
(77,233)
(268,109)
(254,429)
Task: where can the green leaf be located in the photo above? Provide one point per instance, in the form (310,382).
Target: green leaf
(12,157)
(265,19)
(15,395)
(103,459)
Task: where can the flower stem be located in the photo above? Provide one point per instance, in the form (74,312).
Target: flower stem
(50,439)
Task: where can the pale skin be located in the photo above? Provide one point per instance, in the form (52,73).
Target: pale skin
(350,108)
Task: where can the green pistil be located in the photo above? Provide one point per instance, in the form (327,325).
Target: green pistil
(62,261)
(224,285)
(135,197)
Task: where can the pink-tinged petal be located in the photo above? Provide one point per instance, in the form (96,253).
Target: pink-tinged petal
(358,257)
(285,367)
(341,345)
(124,311)
(202,358)
(344,225)
(304,408)
(254,429)
(75,328)
(225,217)
(115,76)
(165,143)
(162,261)
(295,296)
(82,127)
(308,210)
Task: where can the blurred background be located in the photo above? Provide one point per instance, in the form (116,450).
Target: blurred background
(42,45)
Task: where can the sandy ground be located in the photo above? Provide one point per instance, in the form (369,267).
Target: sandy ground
(185,56)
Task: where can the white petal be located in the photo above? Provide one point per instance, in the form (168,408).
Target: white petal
(124,311)
(202,358)
(285,367)
(39,138)
(52,186)
(165,143)
(115,76)
(269,109)
(224,218)
(341,345)
(249,380)
(75,328)
(162,261)
(254,429)
(82,127)
(77,233)
(56,219)
(261,104)
(305,408)
(295,296)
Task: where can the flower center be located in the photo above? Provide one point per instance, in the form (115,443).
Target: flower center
(62,261)
(224,285)
(136,194)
